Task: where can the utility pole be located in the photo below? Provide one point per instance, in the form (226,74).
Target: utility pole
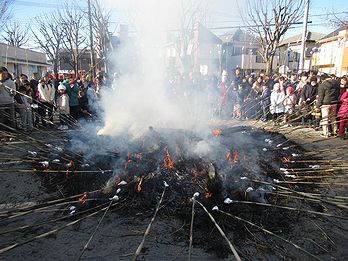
(304,36)
(91,40)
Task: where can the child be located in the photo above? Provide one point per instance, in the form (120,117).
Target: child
(289,104)
(277,107)
(343,114)
(25,108)
(63,107)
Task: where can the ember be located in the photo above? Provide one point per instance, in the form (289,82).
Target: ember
(82,199)
(217,132)
(139,184)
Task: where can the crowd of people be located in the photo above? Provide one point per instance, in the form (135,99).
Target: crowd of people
(26,104)
(319,101)
(310,99)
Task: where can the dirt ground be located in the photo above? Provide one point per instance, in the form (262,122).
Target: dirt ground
(118,236)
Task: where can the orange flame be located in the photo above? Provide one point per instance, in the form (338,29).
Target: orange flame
(83,198)
(229,156)
(208,194)
(285,159)
(217,132)
(139,184)
(235,158)
(168,163)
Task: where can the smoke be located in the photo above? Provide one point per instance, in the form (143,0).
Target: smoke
(142,97)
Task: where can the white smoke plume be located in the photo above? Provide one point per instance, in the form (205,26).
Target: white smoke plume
(141,99)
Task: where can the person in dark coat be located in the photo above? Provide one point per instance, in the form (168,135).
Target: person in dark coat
(265,102)
(307,98)
(328,92)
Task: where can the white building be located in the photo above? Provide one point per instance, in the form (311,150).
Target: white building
(20,60)
(332,53)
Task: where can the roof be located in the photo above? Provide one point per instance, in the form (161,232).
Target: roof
(311,37)
(206,36)
(237,35)
(334,33)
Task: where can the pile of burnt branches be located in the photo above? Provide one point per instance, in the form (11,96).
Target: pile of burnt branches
(242,165)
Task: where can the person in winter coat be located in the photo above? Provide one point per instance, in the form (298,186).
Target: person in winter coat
(25,107)
(72,89)
(46,93)
(307,98)
(7,92)
(289,104)
(63,107)
(343,114)
(265,102)
(328,92)
(277,108)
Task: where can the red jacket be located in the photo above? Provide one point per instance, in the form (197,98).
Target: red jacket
(343,112)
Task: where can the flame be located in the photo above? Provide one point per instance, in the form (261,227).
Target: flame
(83,198)
(229,156)
(217,132)
(208,194)
(232,156)
(139,184)
(168,163)
(285,159)
(235,158)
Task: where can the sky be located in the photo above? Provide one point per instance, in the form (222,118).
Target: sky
(223,13)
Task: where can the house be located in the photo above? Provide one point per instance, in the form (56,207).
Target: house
(20,60)
(201,54)
(241,49)
(65,66)
(290,51)
(331,55)
(205,49)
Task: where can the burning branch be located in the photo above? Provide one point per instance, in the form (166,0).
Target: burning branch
(83,198)
(139,184)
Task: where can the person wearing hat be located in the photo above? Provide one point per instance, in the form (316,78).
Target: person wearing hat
(7,92)
(289,103)
(63,107)
(328,92)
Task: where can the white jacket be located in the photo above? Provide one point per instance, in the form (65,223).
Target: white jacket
(46,91)
(277,99)
(63,104)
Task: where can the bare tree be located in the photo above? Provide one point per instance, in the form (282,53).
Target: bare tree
(5,11)
(338,21)
(49,37)
(269,21)
(16,35)
(100,23)
(74,24)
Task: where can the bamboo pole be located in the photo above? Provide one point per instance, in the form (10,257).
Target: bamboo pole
(272,234)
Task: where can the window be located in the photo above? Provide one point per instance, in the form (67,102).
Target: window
(259,59)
